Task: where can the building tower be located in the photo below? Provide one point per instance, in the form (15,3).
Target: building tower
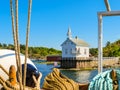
(69,35)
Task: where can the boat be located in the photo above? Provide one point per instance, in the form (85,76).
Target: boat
(17,72)
(7,58)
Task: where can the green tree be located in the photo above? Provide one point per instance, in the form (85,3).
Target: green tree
(35,52)
(94,51)
(108,43)
(4,45)
(10,46)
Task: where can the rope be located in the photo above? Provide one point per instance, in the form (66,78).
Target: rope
(37,81)
(13,31)
(56,81)
(15,42)
(2,79)
(102,81)
(12,84)
(4,70)
(107,80)
(4,85)
(27,37)
(18,45)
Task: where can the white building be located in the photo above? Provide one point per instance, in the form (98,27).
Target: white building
(74,47)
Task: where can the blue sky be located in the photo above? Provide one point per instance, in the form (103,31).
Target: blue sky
(50,20)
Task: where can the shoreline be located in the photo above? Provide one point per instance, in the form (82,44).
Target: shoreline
(81,69)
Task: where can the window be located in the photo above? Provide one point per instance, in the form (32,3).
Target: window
(75,49)
(85,51)
(79,50)
(66,51)
(71,50)
(65,43)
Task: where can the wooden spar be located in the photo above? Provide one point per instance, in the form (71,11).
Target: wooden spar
(100,56)
(100,36)
(27,37)
(111,13)
(107,5)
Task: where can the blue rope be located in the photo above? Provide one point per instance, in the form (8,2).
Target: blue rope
(102,81)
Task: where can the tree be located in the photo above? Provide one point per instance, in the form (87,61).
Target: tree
(4,45)
(94,52)
(108,43)
(0,45)
(10,46)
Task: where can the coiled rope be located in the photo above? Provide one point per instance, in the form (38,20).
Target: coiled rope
(107,80)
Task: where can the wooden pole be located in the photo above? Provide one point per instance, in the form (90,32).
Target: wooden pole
(100,51)
(107,5)
(100,36)
(111,13)
(27,38)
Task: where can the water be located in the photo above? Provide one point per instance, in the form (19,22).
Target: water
(76,75)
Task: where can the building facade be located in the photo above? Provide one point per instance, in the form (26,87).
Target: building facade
(74,47)
(75,52)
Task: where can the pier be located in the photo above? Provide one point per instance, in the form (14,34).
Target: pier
(89,62)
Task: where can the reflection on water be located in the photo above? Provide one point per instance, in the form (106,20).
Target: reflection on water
(44,69)
(78,76)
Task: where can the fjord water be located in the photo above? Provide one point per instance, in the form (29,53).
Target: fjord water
(76,75)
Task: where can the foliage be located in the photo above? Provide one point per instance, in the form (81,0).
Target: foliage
(94,52)
(34,52)
(110,50)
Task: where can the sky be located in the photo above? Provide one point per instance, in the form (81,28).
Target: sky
(50,20)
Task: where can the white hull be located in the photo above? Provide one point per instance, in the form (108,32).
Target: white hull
(7,58)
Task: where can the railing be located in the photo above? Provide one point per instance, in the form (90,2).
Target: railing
(75,52)
(106,58)
(90,58)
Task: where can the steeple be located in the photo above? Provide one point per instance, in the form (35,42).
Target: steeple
(69,35)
